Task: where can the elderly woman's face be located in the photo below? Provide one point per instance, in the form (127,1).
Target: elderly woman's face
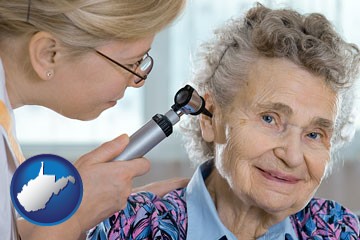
(278,132)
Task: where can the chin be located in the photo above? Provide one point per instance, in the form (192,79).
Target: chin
(87,118)
(276,204)
(83,116)
(91,116)
(88,113)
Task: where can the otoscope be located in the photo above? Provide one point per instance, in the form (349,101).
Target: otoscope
(186,101)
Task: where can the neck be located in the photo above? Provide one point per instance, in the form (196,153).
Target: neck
(20,84)
(244,220)
(12,88)
(20,87)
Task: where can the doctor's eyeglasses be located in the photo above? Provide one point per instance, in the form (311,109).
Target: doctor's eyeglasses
(141,69)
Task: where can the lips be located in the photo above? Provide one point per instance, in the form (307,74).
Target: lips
(278,176)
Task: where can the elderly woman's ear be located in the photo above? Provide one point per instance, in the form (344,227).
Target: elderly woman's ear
(212,129)
(206,123)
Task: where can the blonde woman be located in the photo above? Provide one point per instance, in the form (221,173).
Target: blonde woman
(77,58)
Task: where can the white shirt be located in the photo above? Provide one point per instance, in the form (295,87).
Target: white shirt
(8,165)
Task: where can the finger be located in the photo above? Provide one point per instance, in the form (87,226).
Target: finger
(107,151)
(133,168)
(161,188)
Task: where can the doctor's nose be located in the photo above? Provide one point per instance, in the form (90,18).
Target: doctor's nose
(134,83)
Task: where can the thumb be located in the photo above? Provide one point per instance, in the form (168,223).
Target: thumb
(107,151)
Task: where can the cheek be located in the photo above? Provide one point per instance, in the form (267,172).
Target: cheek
(235,165)
(102,76)
(92,96)
(316,165)
(248,141)
(235,157)
(105,86)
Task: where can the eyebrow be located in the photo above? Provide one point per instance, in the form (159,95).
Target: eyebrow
(323,123)
(280,107)
(141,54)
(320,122)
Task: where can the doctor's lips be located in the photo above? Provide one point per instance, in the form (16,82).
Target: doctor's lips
(278,176)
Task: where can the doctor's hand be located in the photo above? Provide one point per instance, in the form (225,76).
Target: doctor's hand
(106,187)
(107,184)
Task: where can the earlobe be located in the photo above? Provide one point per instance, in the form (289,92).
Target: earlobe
(206,123)
(42,51)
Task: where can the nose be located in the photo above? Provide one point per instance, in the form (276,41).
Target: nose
(133,82)
(289,148)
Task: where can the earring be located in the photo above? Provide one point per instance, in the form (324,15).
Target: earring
(49,73)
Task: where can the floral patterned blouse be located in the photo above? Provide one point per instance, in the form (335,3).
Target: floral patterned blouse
(149,217)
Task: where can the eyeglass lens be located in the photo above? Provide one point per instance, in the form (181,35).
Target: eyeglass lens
(144,68)
(146,65)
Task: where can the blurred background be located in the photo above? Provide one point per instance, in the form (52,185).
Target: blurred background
(43,131)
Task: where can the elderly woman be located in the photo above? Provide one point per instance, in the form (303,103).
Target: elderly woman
(279,86)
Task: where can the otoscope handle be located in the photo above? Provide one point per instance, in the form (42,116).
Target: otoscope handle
(148,136)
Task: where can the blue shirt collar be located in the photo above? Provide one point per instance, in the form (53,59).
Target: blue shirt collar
(203,220)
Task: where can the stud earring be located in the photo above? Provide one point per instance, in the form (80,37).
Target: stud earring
(49,73)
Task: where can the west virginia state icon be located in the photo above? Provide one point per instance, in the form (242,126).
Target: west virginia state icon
(46,189)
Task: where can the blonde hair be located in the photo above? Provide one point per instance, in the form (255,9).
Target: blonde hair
(81,24)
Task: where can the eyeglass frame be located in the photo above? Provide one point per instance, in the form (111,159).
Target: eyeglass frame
(141,78)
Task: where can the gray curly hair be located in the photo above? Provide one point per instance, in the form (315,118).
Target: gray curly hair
(309,41)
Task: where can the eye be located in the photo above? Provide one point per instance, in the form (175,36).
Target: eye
(314,135)
(268,119)
(134,65)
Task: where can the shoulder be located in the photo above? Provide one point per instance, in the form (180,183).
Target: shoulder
(171,201)
(326,218)
(147,216)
